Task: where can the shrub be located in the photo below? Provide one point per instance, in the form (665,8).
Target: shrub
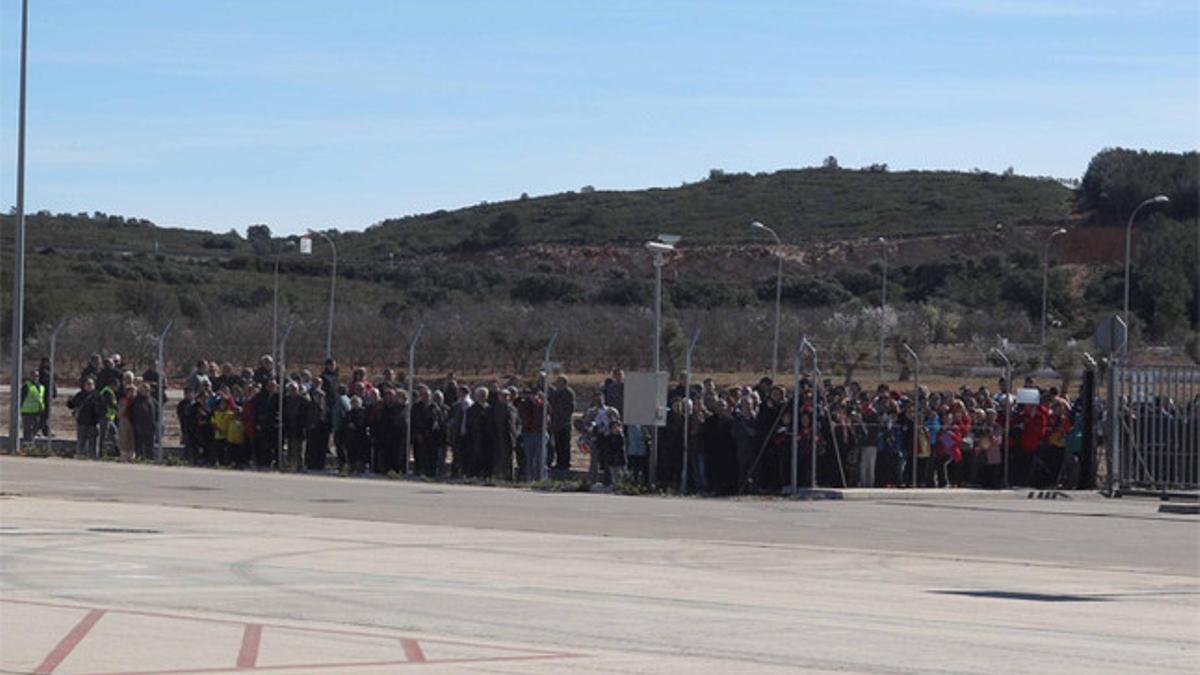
(542,288)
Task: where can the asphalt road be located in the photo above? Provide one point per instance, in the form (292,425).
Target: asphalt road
(119,568)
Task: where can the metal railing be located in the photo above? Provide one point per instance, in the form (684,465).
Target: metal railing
(1154,435)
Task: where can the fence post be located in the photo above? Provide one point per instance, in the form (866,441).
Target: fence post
(812,427)
(50,387)
(162,387)
(1112,454)
(687,385)
(280,372)
(1004,458)
(918,423)
(412,395)
(546,368)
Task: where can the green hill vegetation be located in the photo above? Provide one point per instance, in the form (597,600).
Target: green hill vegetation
(489,280)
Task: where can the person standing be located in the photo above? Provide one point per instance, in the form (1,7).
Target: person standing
(144,418)
(295,423)
(477,462)
(50,392)
(316,445)
(33,402)
(425,427)
(266,420)
(456,431)
(602,424)
(185,412)
(562,407)
(505,425)
(85,406)
(531,408)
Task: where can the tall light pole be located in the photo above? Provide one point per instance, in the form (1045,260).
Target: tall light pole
(778,294)
(1160,199)
(659,249)
(883,305)
(18,299)
(1045,286)
(332,291)
(275,303)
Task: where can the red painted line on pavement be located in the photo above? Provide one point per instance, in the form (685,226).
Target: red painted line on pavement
(284,626)
(248,656)
(347,664)
(68,643)
(412,650)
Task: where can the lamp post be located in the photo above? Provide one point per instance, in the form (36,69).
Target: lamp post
(778,294)
(659,249)
(332,291)
(883,305)
(275,303)
(1045,285)
(18,299)
(1160,199)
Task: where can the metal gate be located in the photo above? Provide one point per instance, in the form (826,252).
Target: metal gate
(1154,435)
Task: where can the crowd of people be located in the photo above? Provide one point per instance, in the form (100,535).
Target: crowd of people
(733,439)
(740,439)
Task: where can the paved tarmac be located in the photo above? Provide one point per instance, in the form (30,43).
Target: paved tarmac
(109,568)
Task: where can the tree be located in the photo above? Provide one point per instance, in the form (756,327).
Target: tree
(1163,287)
(830,162)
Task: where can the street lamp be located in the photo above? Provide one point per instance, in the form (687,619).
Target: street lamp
(18,299)
(1160,199)
(659,249)
(332,289)
(778,293)
(883,305)
(1045,284)
(275,301)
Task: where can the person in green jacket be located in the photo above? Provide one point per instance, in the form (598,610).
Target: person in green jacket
(33,403)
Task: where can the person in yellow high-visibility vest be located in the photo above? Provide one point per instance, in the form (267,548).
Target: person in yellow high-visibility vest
(33,403)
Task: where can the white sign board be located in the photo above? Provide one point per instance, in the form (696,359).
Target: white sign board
(306,245)
(1029,396)
(646,399)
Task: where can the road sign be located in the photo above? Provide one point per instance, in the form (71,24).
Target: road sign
(306,245)
(645,399)
(1111,334)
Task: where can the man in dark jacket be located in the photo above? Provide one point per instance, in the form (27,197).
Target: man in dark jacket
(91,370)
(562,407)
(51,394)
(505,426)
(295,424)
(316,446)
(143,413)
(387,425)
(477,458)
(109,375)
(426,426)
(265,371)
(185,411)
(265,405)
(87,419)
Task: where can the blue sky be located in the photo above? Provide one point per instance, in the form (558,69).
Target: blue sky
(217,114)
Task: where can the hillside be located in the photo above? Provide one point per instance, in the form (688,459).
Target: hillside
(490,280)
(802,205)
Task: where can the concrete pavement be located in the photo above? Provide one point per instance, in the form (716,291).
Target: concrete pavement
(113,568)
